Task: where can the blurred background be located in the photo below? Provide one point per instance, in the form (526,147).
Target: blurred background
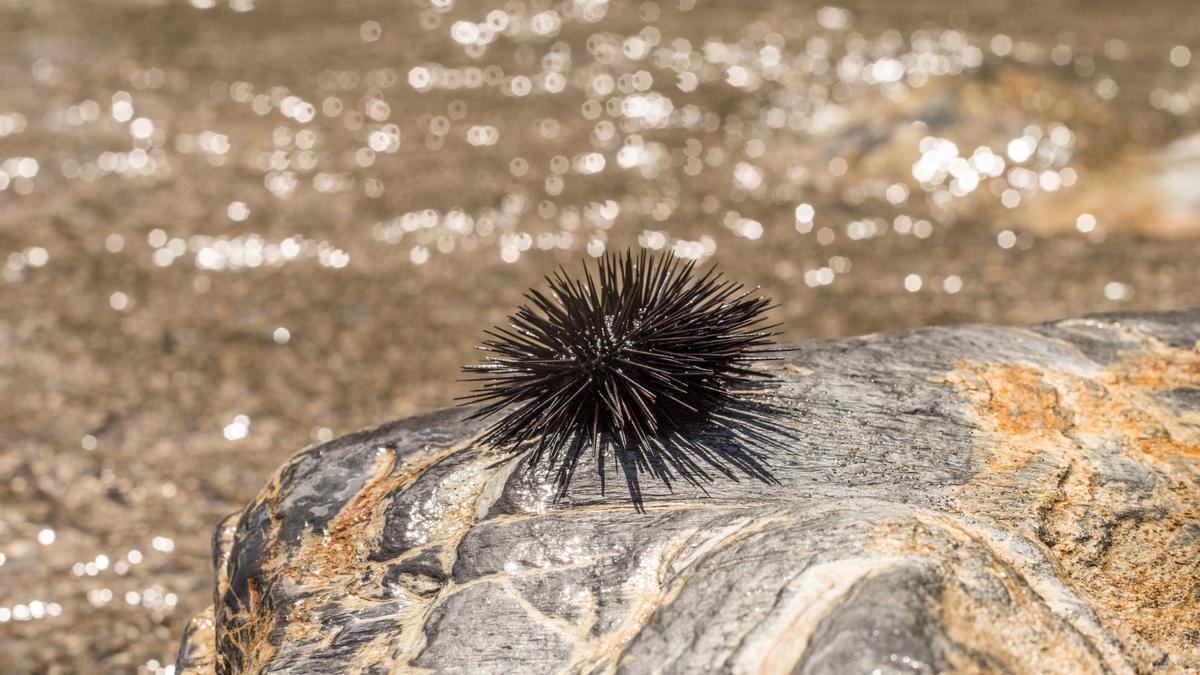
(232,228)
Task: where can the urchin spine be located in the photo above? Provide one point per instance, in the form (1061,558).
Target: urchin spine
(634,356)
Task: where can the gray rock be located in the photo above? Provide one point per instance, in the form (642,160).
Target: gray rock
(972,498)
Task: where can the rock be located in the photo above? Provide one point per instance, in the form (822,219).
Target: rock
(973,498)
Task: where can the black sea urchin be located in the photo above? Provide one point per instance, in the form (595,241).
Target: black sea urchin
(645,356)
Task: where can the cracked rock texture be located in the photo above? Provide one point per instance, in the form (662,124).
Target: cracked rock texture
(968,499)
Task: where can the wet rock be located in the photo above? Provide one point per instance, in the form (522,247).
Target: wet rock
(973,498)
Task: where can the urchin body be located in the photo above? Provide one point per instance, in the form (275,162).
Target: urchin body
(627,357)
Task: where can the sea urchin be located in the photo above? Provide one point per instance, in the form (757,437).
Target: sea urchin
(641,356)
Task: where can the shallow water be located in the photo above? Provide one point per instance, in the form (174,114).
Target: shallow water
(229,231)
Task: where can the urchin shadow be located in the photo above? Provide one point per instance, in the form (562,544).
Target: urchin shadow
(732,443)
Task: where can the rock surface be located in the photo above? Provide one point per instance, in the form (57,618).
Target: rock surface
(973,498)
